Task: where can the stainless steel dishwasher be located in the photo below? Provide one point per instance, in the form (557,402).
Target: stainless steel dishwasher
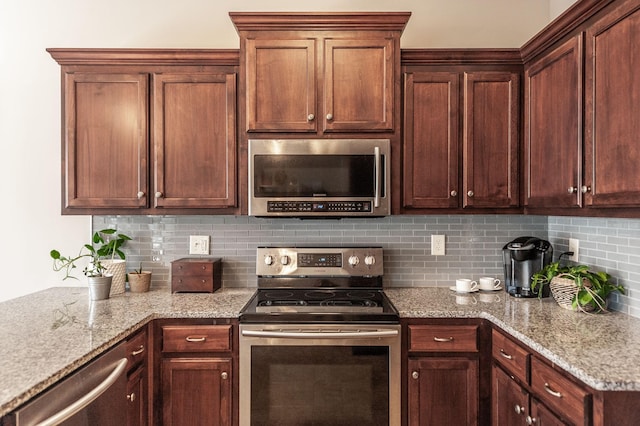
(94,395)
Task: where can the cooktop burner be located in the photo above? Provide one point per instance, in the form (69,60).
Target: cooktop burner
(309,285)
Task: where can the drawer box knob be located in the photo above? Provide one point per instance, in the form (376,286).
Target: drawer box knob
(415,375)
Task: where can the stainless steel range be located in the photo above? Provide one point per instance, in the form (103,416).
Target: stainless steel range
(319,341)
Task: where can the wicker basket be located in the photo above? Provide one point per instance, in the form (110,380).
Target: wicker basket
(564,291)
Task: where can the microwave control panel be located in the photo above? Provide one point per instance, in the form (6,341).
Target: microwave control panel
(318,206)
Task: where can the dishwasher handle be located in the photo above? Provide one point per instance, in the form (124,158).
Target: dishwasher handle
(87,399)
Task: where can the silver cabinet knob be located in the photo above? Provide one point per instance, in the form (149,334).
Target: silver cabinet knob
(470,193)
(311,117)
(519,409)
(329,116)
(140,195)
(585,189)
(531,420)
(131,397)
(159,194)
(454,193)
(572,189)
(415,375)
(224,375)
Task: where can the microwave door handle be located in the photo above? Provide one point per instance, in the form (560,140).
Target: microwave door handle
(376,200)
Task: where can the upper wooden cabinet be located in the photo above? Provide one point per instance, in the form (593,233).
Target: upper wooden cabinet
(612,91)
(461,139)
(320,72)
(553,130)
(148,131)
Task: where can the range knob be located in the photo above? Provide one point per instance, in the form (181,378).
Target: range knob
(284,260)
(268,260)
(369,260)
(354,260)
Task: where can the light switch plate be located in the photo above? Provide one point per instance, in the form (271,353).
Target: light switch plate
(574,246)
(199,244)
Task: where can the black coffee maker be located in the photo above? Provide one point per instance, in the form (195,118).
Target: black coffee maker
(523,257)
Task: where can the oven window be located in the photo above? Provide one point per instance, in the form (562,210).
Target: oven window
(315,175)
(319,385)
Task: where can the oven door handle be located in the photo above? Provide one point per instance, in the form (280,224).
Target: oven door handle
(377,174)
(297,334)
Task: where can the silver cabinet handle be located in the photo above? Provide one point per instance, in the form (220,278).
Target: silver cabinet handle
(470,193)
(91,396)
(443,339)
(138,351)
(550,391)
(311,117)
(454,192)
(329,116)
(586,189)
(415,375)
(572,189)
(195,339)
(505,355)
(519,409)
(224,375)
(159,194)
(140,195)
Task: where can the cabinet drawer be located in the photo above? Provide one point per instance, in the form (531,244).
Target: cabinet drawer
(196,338)
(558,392)
(185,268)
(510,355)
(192,284)
(443,338)
(136,348)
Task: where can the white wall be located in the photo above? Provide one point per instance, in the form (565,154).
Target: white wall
(30,89)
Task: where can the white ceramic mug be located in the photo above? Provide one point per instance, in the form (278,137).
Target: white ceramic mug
(489,283)
(466,285)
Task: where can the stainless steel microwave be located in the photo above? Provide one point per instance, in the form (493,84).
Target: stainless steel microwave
(319,177)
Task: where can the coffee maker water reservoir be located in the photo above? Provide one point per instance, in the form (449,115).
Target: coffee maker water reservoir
(523,257)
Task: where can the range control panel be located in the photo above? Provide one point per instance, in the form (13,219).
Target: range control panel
(319,261)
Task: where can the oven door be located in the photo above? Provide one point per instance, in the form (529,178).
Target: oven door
(329,374)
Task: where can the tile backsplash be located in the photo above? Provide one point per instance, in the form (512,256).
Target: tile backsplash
(473,244)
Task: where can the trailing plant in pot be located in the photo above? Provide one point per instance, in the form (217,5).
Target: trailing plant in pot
(98,277)
(139,280)
(576,287)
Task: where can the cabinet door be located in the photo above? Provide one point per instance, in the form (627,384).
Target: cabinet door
(358,85)
(612,151)
(541,416)
(281,85)
(105,141)
(431,144)
(196,391)
(510,401)
(194,135)
(490,139)
(553,136)
(443,391)
(137,397)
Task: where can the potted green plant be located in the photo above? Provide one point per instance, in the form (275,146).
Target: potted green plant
(576,287)
(139,280)
(98,277)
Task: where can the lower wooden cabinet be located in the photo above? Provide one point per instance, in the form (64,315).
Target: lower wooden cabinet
(443,374)
(195,373)
(510,401)
(137,348)
(196,391)
(443,391)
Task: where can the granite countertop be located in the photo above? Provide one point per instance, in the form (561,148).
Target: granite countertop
(47,335)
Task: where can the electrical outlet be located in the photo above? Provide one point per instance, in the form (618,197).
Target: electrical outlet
(437,245)
(574,246)
(199,244)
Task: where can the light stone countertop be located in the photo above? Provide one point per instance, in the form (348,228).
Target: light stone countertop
(47,335)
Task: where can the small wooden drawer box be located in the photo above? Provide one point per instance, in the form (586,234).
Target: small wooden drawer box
(196,275)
